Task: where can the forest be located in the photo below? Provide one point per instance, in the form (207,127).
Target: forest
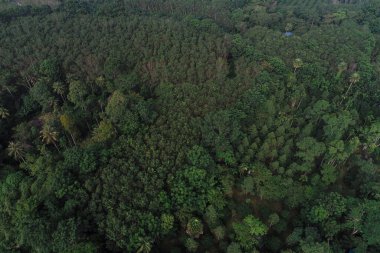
(236,126)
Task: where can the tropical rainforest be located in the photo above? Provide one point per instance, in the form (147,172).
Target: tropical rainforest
(237,126)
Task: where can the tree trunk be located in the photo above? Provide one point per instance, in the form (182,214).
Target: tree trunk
(72,137)
(345,94)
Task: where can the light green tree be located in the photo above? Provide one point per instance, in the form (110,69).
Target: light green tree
(68,124)
(103,132)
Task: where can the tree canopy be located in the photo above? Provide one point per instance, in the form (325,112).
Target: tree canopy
(189,126)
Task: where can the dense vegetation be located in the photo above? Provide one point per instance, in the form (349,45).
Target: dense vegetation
(190,126)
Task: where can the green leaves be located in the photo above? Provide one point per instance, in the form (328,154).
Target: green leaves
(309,149)
(371,223)
(194,228)
(167,223)
(78,92)
(191,245)
(42,94)
(103,132)
(50,68)
(116,106)
(318,214)
(189,189)
(65,236)
(337,124)
(199,157)
(297,63)
(249,231)
(371,134)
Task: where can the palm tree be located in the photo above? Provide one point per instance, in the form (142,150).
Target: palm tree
(16,150)
(49,135)
(355,77)
(3,113)
(297,63)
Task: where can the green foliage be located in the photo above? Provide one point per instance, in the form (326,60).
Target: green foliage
(249,232)
(50,69)
(65,236)
(116,106)
(248,184)
(310,149)
(77,93)
(219,233)
(167,223)
(211,216)
(371,223)
(318,214)
(194,228)
(234,248)
(273,219)
(42,95)
(189,190)
(198,156)
(191,245)
(315,247)
(103,132)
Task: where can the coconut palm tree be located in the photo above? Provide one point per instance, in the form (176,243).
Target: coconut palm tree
(355,77)
(3,113)
(16,150)
(49,135)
